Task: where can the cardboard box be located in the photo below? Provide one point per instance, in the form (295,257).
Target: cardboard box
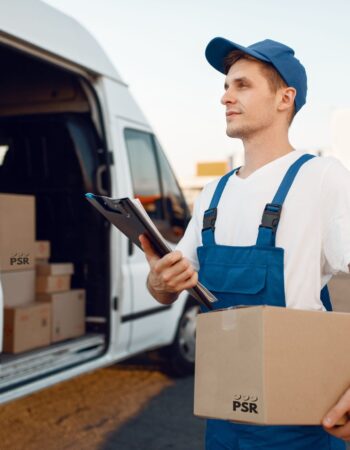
(17,232)
(52,283)
(18,287)
(67,313)
(339,289)
(42,250)
(269,365)
(26,327)
(41,261)
(55,269)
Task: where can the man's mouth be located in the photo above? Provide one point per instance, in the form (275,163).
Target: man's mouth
(232,113)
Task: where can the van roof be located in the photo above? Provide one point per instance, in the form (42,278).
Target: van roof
(45,27)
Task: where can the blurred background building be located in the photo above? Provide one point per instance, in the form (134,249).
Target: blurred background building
(340,135)
(207,171)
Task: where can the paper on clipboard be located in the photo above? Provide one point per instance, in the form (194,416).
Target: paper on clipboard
(130,217)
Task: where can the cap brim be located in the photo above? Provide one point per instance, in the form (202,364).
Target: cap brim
(218,48)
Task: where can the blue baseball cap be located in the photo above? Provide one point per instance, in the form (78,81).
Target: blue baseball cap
(279,55)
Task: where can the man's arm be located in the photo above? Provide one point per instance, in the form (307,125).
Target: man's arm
(168,275)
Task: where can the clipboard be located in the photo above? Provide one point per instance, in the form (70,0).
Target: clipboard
(129,216)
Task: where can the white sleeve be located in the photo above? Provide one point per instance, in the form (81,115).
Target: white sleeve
(192,237)
(336,217)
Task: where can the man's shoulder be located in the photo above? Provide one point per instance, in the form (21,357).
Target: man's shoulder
(323,165)
(325,161)
(329,173)
(204,198)
(208,188)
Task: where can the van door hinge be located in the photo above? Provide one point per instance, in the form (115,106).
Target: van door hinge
(115,303)
(110,158)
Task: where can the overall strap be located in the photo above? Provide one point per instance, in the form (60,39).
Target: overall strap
(210,214)
(326,299)
(272,211)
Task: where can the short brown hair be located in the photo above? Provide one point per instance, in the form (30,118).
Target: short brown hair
(273,78)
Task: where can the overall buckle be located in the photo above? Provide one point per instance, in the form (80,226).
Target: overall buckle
(271,216)
(209,219)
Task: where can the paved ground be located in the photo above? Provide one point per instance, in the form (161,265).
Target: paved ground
(168,423)
(131,406)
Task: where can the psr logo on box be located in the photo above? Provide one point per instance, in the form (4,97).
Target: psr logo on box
(245,403)
(19,259)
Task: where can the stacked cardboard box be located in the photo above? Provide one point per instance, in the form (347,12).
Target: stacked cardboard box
(26,327)
(67,305)
(39,305)
(54,277)
(42,251)
(67,312)
(17,242)
(17,273)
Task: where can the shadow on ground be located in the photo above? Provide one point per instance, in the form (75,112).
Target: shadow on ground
(167,422)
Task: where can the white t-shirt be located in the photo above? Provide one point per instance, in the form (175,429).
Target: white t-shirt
(314,228)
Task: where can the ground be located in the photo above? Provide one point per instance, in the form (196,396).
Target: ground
(131,406)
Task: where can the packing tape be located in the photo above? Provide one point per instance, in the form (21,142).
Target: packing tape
(229,321)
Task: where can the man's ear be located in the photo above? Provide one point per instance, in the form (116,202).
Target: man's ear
(286,98)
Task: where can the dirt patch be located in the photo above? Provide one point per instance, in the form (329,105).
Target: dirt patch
(80,413)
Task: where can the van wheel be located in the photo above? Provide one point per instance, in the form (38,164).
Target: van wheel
(181,354)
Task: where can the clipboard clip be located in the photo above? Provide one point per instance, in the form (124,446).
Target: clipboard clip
(110,204)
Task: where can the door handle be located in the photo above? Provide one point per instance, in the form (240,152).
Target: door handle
(100,172)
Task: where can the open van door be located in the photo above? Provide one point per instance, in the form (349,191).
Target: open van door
(155,185)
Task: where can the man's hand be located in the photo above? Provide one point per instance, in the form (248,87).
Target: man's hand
(168,275)
(340,410)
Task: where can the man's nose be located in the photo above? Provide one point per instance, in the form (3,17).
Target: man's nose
(228,97)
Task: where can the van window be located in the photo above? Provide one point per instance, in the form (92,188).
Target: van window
(155,185)
(176,207)
(144,172)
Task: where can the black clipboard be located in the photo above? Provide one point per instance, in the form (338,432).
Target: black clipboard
(132,221)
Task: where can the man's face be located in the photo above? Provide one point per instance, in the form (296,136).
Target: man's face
(250,98)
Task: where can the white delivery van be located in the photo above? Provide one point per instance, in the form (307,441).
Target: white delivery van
(69,125)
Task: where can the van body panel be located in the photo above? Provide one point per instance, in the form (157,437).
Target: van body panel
(122,104)
(55,33)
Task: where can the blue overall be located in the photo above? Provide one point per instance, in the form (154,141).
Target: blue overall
(254,275)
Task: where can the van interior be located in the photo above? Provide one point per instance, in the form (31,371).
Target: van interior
(52,147)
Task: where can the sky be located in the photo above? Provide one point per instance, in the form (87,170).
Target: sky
(158,46)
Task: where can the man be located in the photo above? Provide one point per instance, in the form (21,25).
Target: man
(284,209)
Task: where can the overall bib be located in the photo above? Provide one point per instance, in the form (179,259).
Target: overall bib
(254,275)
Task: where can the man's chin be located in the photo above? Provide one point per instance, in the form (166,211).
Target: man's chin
(234,133)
